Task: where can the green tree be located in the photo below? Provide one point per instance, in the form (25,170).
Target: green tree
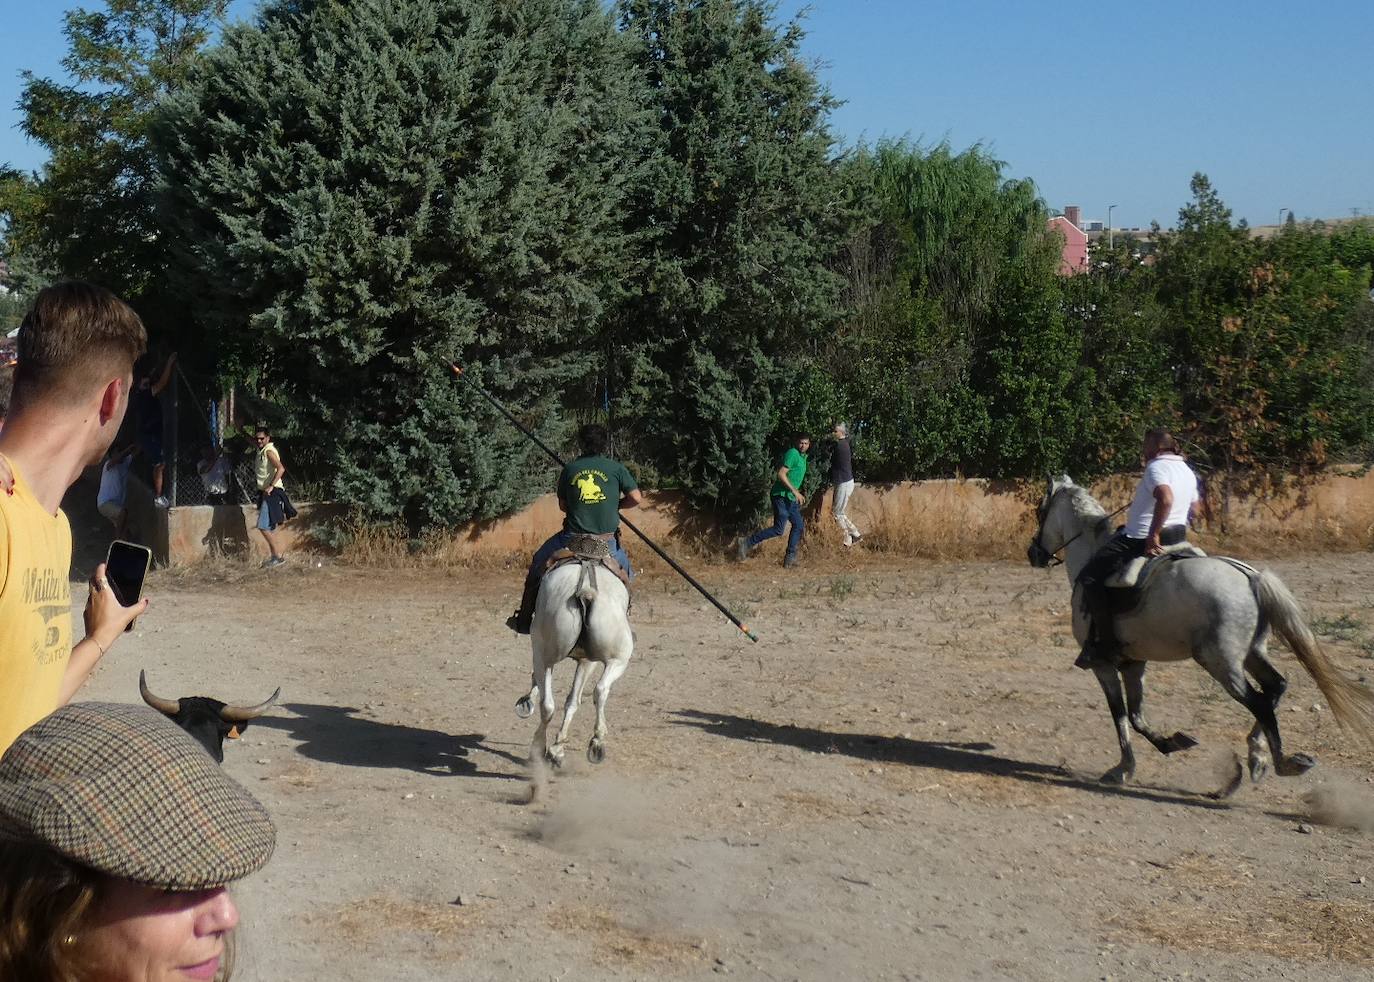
(1203,268)
(1126,357)
(955,355)
(90,213)
(1272,341)
(744,208)
(365,191)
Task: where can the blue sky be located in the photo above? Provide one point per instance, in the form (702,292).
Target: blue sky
(1101,104)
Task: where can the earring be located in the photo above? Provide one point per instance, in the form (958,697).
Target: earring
(69,940)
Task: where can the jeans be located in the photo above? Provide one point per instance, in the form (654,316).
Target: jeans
(560,540)
(784,510)
(271,509)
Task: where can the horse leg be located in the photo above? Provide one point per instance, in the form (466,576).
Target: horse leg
(596,750)
(1272,687)
(1110,680)
(524,706)
(539,745)
(1133,674)
(1261,705)
(570,707)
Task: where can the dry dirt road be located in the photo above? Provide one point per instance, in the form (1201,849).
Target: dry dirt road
(898,782)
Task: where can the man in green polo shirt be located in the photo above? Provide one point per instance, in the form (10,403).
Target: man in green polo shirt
(787,503)
(591,491)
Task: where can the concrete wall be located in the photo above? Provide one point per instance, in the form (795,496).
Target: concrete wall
(191,534)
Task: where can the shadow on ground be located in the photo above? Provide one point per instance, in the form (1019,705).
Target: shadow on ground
(334,735)
(958,758)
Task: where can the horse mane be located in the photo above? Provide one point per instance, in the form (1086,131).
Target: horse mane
(1085,508)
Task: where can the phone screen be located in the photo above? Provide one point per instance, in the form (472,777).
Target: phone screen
(125,567)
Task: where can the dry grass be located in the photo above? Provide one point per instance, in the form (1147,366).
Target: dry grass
(363,921)
(619,944)
(389,547)
(1220,907)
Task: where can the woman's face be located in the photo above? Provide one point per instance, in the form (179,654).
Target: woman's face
(143,934)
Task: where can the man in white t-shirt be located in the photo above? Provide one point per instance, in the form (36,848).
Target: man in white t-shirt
(1164,502)
(114,484)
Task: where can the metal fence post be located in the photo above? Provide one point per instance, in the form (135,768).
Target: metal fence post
(172,465)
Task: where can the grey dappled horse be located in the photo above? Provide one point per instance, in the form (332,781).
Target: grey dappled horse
(1207,609)
(583,613)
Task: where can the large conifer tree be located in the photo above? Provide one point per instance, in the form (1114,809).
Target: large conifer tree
(367,190)
(744,207)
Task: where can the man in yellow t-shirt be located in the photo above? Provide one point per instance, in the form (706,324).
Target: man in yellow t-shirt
(77,348)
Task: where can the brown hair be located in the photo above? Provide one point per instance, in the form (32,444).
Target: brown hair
(45,901)
(77,336)
(1163,440)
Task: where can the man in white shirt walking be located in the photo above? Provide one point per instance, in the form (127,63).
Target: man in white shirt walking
(1164,503)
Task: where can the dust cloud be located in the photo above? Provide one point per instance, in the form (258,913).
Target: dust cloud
(1342,804)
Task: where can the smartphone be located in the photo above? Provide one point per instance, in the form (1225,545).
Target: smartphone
(126,565)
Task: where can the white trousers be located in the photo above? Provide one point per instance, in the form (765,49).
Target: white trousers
(842,493)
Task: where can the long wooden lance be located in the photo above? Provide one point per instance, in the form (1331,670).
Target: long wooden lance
(744,628)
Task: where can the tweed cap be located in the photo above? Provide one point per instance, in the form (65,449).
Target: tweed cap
(125,791)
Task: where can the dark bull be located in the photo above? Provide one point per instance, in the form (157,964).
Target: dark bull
(208,720)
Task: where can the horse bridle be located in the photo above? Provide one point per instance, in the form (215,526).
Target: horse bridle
(1039,556)
(1037,550)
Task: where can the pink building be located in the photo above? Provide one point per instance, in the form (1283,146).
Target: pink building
(1073,257)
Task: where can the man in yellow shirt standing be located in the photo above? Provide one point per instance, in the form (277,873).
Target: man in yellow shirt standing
(77,348)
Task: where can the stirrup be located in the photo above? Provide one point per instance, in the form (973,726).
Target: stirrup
(519,626)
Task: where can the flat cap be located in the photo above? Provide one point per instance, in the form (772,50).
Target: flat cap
(125,791)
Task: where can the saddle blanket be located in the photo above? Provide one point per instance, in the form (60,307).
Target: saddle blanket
(1134,573)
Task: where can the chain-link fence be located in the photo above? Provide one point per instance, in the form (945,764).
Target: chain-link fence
(206,449)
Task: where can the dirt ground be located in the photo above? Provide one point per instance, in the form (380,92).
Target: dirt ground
(897,782)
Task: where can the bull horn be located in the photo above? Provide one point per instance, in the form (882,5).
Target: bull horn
(168,706)
(242,714)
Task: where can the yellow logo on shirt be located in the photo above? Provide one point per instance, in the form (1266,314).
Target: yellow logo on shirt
(588,492)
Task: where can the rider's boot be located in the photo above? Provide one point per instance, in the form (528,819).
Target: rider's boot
(1102,646)
(520,621)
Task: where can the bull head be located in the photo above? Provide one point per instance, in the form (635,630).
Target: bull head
(194,714)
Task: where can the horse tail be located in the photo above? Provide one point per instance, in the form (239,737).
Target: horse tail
(586,586)
(1351,703)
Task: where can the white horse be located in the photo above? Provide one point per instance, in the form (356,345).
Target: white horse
(582,613)
(1212,610)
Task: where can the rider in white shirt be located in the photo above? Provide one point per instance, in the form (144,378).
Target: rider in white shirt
(1164,503)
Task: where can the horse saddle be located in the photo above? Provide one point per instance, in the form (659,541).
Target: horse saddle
(1138,570)
(583,548)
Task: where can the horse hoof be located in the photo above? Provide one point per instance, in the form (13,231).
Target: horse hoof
(1114,776)
(553,760)
(524,708)
(1295,764)
(596,752)
(1177,742)
(1259,769)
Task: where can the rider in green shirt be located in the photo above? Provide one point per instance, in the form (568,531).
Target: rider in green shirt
(592,489)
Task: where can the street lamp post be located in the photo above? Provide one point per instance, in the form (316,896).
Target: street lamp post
(1281,211)
(1110,238)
